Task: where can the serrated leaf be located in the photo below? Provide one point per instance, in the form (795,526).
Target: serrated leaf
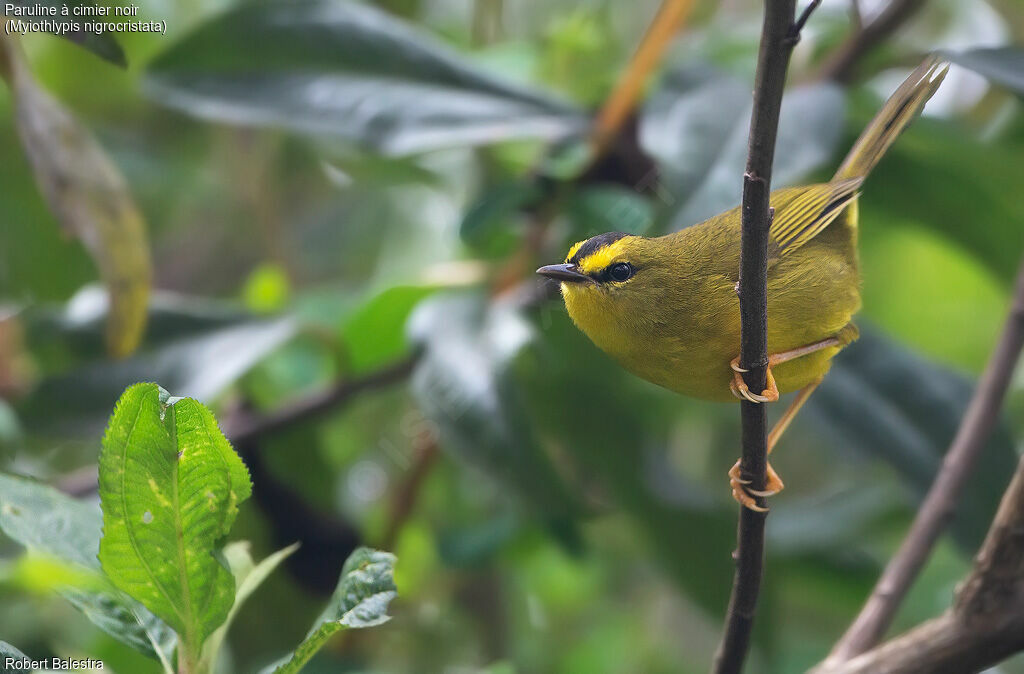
(43,519)
(101,44)
(89,197)
(170,485)
(361,599)
(1001,65)
(349,70)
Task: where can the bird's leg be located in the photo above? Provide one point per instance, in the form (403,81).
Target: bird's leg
(771,393)
(773,484)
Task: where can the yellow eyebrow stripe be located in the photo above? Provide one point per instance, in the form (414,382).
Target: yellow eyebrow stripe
(601,258)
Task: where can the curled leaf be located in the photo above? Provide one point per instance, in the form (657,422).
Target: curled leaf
(87,193)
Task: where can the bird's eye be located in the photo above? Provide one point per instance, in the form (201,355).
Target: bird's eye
(620,271)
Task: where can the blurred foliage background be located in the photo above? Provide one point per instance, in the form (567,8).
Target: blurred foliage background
(329,216)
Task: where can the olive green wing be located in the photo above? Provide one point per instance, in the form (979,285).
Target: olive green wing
(802,213)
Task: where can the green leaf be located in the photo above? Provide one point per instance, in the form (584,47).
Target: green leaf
(496,208)
(1001,65)
(170,485)
(349,70)
(9,651)
(915,407)
(88,195)
(43,519)
(374,334)
(361,599)
(606,208)
(201,353)
(248,577)
(463,383)
(698,128)
(101,44)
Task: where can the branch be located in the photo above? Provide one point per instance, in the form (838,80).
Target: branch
(622,100)
(939,505)
(408,492)
(986,622)
(840,65)
(779,34)
(244,426)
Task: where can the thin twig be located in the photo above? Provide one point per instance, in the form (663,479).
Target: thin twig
(777,40)
(841,64)
(984,626)
(244,426)
(624,96)
(408,492)
(939,505)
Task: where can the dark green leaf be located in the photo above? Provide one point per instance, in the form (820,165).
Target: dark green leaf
(9,651)
(203,365)
(1001,65)
(698,129)
(462,383)
(607,208)
(915,408)
(350,70)
(496,209)
(941,177)
(364,591)
(170,485)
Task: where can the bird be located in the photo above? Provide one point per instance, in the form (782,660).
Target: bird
(667,307)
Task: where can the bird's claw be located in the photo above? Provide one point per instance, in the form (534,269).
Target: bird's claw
(740,389)
(745,496)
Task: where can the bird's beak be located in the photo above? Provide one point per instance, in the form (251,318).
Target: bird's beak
(564,272)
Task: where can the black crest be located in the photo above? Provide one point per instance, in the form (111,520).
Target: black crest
(594,244)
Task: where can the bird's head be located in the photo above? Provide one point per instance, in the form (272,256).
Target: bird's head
(608,283)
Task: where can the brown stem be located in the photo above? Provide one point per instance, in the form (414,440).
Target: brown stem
(841,64)
(984,626)
(407,494)
(620,103)
(779,34)
(940,503)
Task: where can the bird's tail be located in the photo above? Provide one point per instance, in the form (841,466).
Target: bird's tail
(898,112)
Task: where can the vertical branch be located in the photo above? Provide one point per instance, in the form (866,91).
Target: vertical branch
(937,509)
(779,34)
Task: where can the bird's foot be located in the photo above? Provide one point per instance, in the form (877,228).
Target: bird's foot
(743,392)
(745,496)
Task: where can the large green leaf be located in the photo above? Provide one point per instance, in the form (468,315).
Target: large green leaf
(462,383)
(364,591)
(87,193)
(349,70)
(1002,65)
(170,485)
(966,189)
(201,351)
(9,651)
(43,519)
(915,407)
(101,44)
(697,127)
